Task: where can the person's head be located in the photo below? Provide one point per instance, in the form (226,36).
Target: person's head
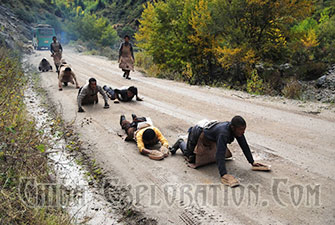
(67,70)
(54,38)
(126,38)
(92,82)
(131,91)
(149,136)
(238,126)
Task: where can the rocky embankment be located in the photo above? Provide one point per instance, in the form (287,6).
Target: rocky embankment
(322,89)
(14,33)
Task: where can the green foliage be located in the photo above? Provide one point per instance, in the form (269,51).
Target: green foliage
(220,40)
(255,84)
(83,24)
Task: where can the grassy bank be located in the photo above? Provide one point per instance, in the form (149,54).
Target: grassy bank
(21,153)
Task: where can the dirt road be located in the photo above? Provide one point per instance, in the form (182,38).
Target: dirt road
(298,143)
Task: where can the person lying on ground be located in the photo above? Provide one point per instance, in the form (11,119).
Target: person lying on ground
(215,136)
(88,94)
(146,136)
(66,75)
(44,65)
(123,94)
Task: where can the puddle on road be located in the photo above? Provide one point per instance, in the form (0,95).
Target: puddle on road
(86,205)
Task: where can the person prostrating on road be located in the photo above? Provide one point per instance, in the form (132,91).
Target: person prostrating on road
(209,142)
(66,75)
(88,94)
(123,94)
(146,136)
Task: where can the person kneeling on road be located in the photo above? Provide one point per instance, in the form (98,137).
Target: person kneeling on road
(44,65)
(88,94)
(123,94)
(210,140)
(66,75)
(146,135)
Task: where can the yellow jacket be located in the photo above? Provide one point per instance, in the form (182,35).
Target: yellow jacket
(159,135)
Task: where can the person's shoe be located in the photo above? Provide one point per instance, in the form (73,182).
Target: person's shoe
(175,146)
(230,180)
(122,118)
(81,110)
(106,106)
(133,116)
(191,159)
(65,84)
(60,89)
(128,78)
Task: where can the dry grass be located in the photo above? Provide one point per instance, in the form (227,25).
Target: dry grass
(21,151)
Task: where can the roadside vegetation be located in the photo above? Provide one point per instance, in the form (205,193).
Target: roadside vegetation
(263,47)
(21,153)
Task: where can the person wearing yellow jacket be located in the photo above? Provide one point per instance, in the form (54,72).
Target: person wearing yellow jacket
(146,136)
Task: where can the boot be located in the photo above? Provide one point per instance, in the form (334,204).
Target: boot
(127,75)
(122,118)
(176,146)
(133,116)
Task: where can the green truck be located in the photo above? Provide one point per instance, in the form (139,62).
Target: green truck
(42,36)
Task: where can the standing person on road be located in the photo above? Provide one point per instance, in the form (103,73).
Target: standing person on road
(213,138)
(56,52)
(89,95)
(126,57)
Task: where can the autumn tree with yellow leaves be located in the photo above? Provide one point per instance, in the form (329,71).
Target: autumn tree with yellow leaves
(215,40)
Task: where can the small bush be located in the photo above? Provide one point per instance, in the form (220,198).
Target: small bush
(255,84)
(292,89)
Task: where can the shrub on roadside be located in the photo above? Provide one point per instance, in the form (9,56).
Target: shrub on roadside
(255,84)
(292,89)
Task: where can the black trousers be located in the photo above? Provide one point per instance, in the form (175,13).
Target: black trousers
(192,140)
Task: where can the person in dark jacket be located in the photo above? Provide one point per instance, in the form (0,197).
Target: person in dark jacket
(218,135)
(123,94)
